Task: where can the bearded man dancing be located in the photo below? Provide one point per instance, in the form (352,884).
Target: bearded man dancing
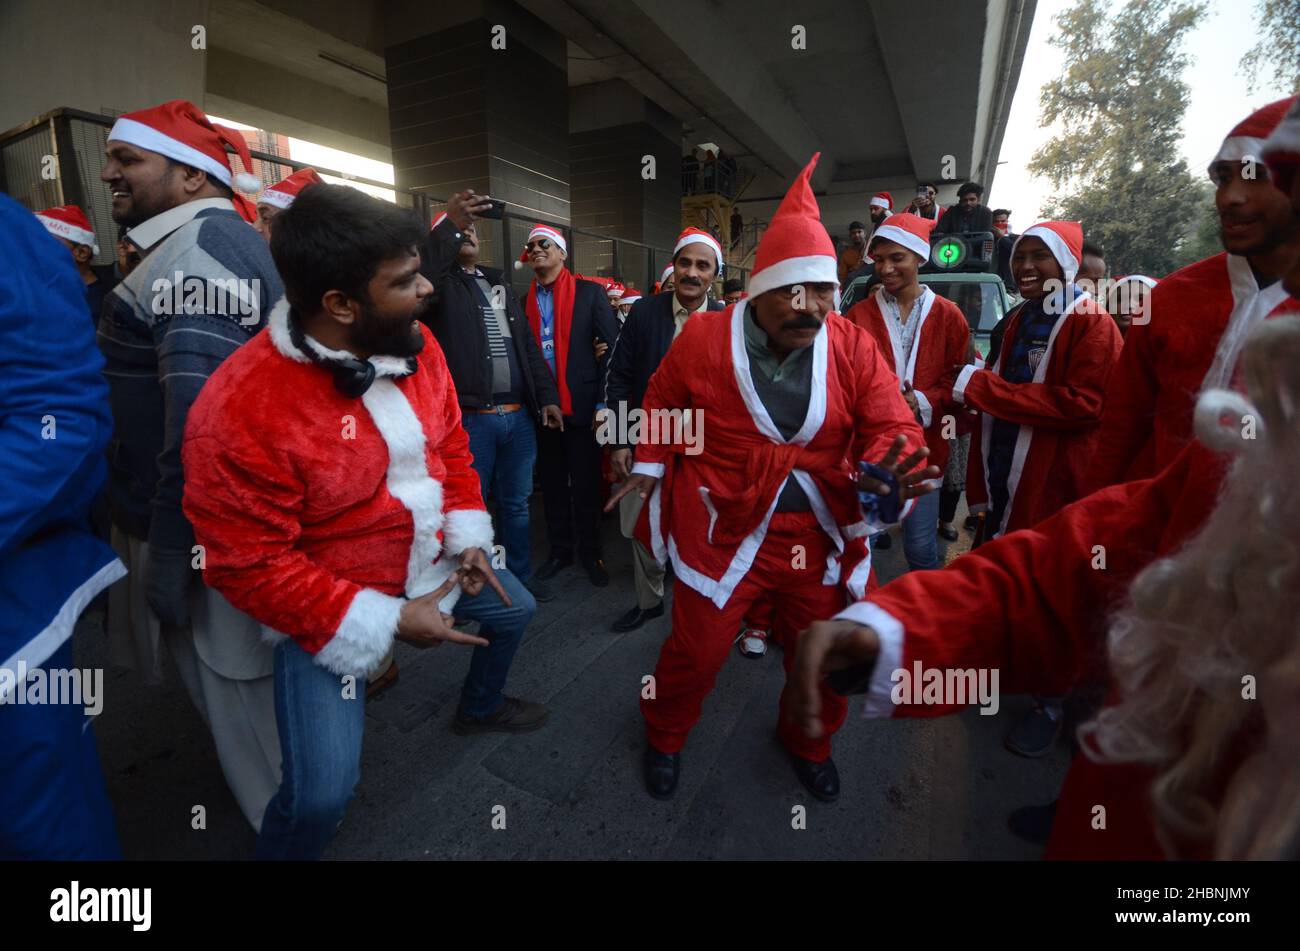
(788,396)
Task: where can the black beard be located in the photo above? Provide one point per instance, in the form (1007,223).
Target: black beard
(378,334)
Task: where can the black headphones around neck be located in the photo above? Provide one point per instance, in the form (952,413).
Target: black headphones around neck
(352,377)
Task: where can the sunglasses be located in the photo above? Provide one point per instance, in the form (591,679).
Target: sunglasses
(542,243)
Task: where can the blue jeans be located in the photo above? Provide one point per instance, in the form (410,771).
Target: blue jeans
(320,728)
(920,540)
(505,450)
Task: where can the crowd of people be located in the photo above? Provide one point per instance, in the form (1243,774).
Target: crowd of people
(284,465)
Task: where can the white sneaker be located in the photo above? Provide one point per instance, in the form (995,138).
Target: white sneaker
(753,643)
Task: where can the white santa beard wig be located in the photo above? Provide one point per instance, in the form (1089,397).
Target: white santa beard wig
(1226,606)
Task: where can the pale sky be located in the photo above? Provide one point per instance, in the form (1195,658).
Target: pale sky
(1218,100)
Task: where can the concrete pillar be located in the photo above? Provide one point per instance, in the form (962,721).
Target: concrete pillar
(464,114)
(612,131)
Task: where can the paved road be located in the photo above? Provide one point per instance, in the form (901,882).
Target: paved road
(916,789)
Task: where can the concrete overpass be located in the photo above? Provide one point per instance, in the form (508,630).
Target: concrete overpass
(556,115)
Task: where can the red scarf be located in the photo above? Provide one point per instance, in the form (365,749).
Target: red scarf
(562,291)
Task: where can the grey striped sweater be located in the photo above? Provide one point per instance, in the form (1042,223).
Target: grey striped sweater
(196,296)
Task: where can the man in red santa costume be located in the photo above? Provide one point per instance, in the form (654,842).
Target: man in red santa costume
(924,336)
(789,397)
(1040,399)
(1195,754)
(1184,762)
(1169,352)
(331,489)
(276,198)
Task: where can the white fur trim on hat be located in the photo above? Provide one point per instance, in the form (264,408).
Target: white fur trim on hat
(880,203)
(147,137)
(913,242)
(276,199)
(811,269)
(1056,244)
(548,232)
(74,234)
(704,239)
(1238,147)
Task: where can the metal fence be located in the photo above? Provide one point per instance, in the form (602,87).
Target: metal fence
(56,159)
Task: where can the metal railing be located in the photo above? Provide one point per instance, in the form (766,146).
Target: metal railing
(56,158)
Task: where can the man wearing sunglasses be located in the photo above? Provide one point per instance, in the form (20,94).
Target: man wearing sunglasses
(568,316)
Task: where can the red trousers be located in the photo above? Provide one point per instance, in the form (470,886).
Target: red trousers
(702,635)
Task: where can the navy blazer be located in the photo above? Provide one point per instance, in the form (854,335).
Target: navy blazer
(645,338)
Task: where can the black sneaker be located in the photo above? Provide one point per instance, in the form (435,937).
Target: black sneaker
(1036,732)
(1033,823)
(552,567)
(516,716)
(540,590)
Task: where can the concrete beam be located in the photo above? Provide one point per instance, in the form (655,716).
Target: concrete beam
(705,76)
(259,94)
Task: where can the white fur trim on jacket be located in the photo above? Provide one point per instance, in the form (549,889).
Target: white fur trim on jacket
(283,341)
(364,636)
(467,528)
(889,630)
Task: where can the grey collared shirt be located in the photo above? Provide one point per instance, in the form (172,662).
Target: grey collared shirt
(785,389)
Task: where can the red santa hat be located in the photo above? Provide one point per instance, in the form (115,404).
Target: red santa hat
(282,193)
(630,296)
(70,222)
(883,200)
(615,290)
(911,231)
(1247,139)
(1281,150)
(795,248)
(1063,238)
(663,278)
(542,231)
(696,236)
(180,131)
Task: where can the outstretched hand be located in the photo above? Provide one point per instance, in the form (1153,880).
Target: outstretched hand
(912,481)
(422,623)
(825,647)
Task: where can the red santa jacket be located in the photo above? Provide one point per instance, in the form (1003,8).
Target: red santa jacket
(318,512)
(942,336)
(711,509)
(1057,413)
(1041,622)
(1152,393)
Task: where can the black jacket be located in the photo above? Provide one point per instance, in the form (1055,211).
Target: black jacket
(457,323)
(645,338)
(957,220)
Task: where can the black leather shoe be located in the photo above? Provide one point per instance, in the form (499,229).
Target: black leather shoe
(636,617)
(821,779)
(1033,823)
(596,572)
(552,567)
(881,542)
(540,590)
(948,534)
(662,771)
